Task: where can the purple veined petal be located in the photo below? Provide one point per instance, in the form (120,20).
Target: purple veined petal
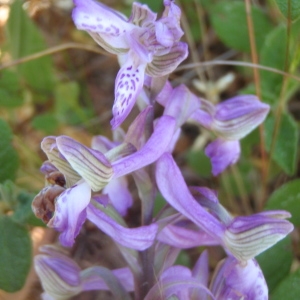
(91,164)
(177,281)
(222,154)
(237,117)
(59,276)
(129,83)
(49,146)
(181,105)
(139,238)
(173,32)
(173,187)
(184,238)
(246,237)
(152,150)
(235,280)
(70,212)
(117,190)
(103,21)
(167,63)
(141,15)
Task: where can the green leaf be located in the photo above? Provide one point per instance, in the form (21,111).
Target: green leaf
(10,92)
(287,197)
(154,5)
(276,262)
(9,160)
(46,122)
(15,255)
(289,288)
(285,150)
(24,39)
(229,20)
(283,6)
(199,163)
(273,55)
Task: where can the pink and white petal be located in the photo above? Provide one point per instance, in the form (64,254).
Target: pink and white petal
(70,212)
(141,15)
(167,63)
(129,82)
(96,17)
(139,238)
(115,45)
(117,190)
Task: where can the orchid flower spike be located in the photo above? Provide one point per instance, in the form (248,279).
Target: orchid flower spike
(145,45)
(230,121)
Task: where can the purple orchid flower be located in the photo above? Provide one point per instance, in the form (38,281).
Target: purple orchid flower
(235,280)
(243,237)
(230,120)
(180,282)
(88,171)
(62,278)
(144,44)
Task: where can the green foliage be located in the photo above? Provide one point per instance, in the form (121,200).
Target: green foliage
(288,289)
(289,8)
(9,160)
(287,197)
(154,5)
(10,94)
(273,55)
(276,262)
(286,144)
(46,122)
(15,254)
(230,23)
(199,163)
(24,39)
